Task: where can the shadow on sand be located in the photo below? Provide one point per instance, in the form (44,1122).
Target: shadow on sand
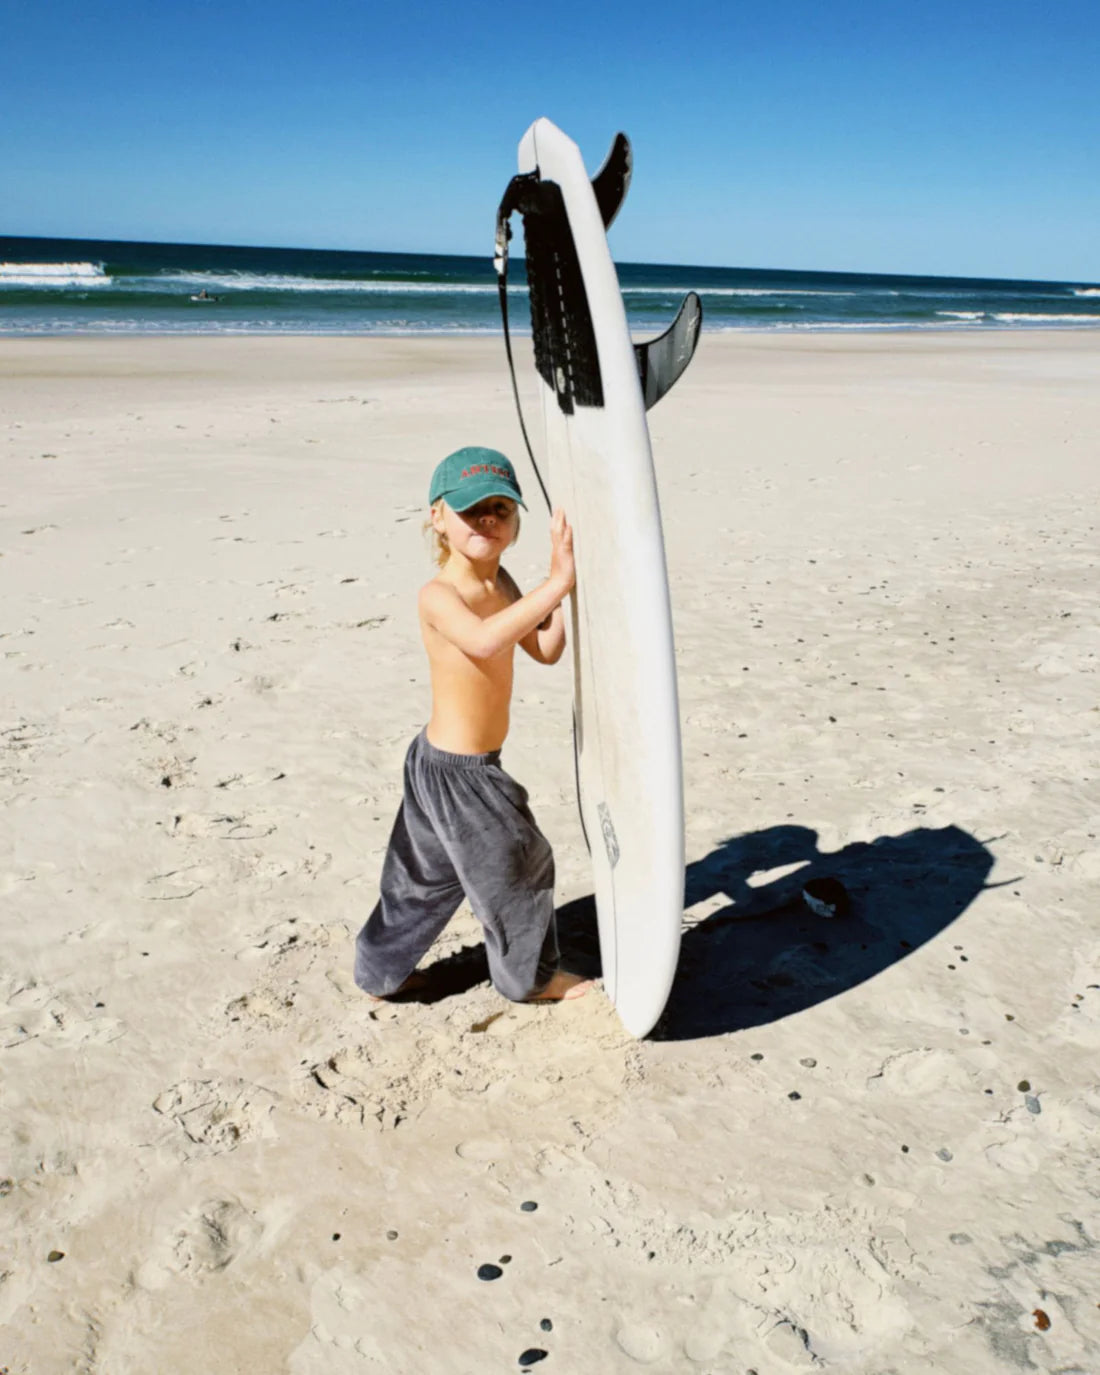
(764,955)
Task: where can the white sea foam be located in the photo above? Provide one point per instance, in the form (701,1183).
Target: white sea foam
(963,314)
(1020,318)
(386,328)
(1086,290)
(52,274)
(845,326)
(262,281)
(629,290)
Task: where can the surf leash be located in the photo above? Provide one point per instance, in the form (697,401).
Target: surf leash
(520,195)
(517,196)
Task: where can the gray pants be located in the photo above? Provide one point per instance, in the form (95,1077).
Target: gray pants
(463,829)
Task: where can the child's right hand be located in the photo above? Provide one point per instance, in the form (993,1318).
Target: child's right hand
(562,570)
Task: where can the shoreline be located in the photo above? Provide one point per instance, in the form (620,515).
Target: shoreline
(715,331)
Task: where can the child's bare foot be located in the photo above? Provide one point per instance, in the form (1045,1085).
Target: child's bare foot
(416,983)
(562,988)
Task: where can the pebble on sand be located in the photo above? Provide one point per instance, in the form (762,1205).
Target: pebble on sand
(529,1207)
(489,1272)
(532,1356)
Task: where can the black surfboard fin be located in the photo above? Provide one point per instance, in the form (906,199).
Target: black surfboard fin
(612,181)
(662,361)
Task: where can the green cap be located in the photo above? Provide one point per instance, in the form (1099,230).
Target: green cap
(470,475)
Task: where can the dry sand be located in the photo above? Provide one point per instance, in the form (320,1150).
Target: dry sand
(867,1145)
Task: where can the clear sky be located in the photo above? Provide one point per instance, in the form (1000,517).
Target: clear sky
(937,136)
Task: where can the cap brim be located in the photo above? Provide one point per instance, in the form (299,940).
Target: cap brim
(491,490)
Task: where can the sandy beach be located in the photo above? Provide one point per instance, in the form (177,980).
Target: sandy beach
(866,1145)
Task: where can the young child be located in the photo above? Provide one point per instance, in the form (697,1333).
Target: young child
(464,828)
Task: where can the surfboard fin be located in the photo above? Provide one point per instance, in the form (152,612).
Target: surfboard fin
(662,361)
(612,181)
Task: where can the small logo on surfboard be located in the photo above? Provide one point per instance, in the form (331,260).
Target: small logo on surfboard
(610,839)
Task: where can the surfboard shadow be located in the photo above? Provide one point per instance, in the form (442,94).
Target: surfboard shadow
(764,955)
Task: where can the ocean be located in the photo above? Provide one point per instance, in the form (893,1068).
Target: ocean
(86,286)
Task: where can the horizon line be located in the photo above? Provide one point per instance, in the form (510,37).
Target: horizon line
(487,258)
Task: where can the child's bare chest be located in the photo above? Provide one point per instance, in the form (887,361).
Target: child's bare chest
(486,604)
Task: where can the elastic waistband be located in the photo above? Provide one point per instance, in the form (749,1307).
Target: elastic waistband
(447,760)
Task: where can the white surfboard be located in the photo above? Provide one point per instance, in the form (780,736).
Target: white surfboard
(595,385)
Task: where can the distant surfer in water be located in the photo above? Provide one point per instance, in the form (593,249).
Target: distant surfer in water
(464,828)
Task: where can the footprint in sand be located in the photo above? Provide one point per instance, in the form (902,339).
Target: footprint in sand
(222,826)
(791,1344)
(214,1236)
(211,1237)
(379,1085)
(25,738)
(641,1343)
(165,731)
(218,1114)
(289,958)
(177,885)
(33,1011)
(170,771)
(705,1342)
(282,937)
(921,1071)
(268,1010)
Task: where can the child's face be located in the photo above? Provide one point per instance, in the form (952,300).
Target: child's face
(480,532)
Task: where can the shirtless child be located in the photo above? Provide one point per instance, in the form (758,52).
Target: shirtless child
(464,828)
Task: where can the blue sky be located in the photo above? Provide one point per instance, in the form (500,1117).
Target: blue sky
(933,137)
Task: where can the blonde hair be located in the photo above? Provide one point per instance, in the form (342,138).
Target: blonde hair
(440,545)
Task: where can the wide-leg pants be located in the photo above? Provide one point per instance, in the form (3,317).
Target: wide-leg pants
(464,829)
